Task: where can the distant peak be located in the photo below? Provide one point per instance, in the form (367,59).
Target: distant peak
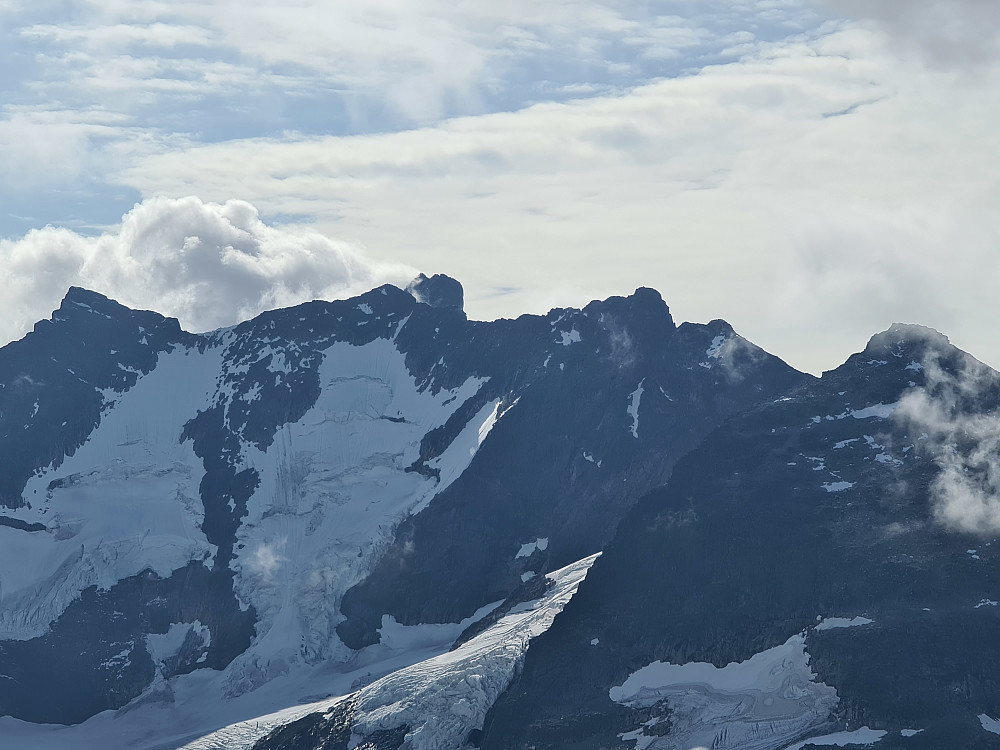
(438,291)
(910,336)
(644,306)
(86,296)
(79,300)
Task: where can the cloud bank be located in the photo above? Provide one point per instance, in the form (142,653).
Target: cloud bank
(208,264)
(945,415)
(957,32)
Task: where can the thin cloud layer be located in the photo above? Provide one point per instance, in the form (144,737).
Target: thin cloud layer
(811,192)
(208,264)
(953,32)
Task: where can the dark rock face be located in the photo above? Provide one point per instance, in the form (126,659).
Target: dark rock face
(593,409)
(568,460)
(823,503)
(438,291)
(94,656)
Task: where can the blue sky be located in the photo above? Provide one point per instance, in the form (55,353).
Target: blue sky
(811,172)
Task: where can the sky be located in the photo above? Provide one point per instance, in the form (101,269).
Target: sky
(809,171)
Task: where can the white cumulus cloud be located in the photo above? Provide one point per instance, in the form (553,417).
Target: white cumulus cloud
(208,264)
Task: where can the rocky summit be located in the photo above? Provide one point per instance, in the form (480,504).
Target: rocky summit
(376,523)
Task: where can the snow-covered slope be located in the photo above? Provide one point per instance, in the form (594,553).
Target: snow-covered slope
(200,529)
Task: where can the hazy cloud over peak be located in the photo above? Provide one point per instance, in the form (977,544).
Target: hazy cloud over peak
(208,264)
(946,423)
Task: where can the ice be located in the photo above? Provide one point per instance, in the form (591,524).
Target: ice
(457,456)
(837,486)
(444,698)
(642,741)
(127,500)
(830,623)
(365,308)
(440,698)
(595,641)
(844,443)
(989,723)
(411,678)
(715,350)
(862,736)
(878,411)
(410,637)
(912,732)
(333,486)
(762,703)
(527,549)
(914,366)
(569,337)
(633,407)
(164,646)
(985,603)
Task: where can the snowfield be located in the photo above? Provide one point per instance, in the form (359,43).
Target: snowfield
(132,473)
(764,703)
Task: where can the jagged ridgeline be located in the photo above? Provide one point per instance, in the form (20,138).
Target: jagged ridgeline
(824,565)
(201,525)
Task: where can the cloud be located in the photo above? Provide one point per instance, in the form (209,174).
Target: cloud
(806,193)
(953,32)
(208,264)
(945,418)
(266,558)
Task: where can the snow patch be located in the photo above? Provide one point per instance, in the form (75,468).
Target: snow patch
(737,705)
(715,350)
(877,411)
(569,337)
(989,723)
(528,549)
(830,623)
(163,646)
(411,637)
(837,486)
(862,736)
(633,407)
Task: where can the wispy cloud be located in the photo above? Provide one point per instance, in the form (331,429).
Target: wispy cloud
(946,417)
(957,32)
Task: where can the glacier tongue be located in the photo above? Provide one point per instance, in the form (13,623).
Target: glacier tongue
(441,699)
(444,698)
(333,486)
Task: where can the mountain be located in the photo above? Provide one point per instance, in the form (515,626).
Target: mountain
(822,569)
(202,528)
